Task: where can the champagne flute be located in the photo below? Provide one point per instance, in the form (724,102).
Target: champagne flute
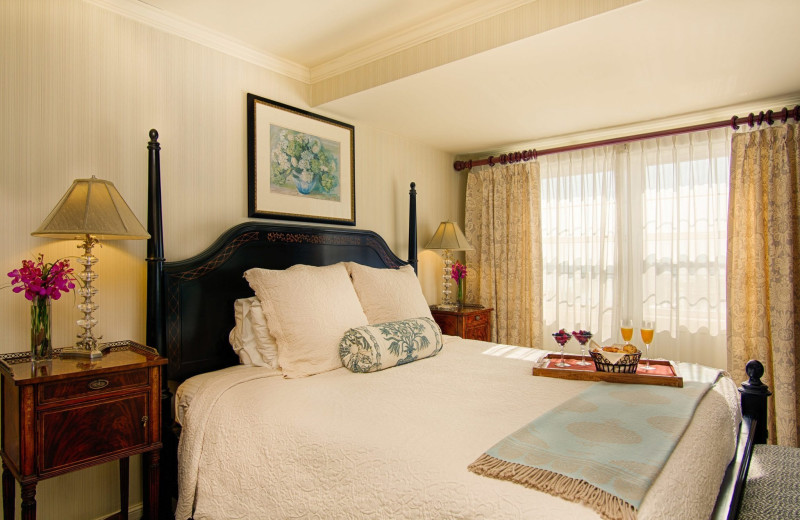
(561,337)
(647,338)
(626,328)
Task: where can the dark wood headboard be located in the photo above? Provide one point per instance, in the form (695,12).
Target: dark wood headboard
(200,291)
(190,302)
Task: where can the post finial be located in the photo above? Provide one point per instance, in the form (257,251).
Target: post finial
(755,371)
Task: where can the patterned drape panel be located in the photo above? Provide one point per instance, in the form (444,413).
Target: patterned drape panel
(503,224)
(764,268)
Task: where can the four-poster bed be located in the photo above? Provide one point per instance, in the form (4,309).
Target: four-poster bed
(189,317)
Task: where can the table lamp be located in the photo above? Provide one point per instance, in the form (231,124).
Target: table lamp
(91,210)
(448,237)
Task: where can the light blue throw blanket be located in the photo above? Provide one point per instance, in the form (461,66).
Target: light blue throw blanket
(604,447)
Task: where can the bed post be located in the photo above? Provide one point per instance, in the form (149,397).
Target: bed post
(754,399)
(155,334)
(155,249)
(753,430)
(412,226)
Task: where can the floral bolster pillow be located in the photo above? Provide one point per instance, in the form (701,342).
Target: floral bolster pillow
(374,347)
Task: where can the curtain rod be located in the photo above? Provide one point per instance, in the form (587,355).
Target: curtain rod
(526,155)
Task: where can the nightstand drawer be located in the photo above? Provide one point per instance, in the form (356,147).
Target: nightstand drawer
(93,385)
(86,433)
(475,320)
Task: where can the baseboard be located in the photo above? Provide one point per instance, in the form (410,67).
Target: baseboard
(135,512)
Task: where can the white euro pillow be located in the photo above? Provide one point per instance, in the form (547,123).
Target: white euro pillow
(388,294)
(308,310)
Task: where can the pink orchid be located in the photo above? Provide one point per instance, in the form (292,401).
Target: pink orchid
(41,279)
(458,271)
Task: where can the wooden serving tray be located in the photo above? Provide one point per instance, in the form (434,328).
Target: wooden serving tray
(664,374)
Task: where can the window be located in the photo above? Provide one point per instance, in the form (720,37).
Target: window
(639,231)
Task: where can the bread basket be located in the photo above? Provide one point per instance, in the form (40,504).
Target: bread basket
(626,364)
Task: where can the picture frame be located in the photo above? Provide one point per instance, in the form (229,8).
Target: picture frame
(300,165)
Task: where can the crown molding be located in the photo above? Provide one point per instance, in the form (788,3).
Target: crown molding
(144,13)
(437,27)
(140,11)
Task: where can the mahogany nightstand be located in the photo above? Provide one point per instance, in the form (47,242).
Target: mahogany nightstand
(468,321)
(66,414)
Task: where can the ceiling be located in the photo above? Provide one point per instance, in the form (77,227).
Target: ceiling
(498,74)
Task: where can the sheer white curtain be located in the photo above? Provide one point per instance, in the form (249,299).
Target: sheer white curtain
(639,231)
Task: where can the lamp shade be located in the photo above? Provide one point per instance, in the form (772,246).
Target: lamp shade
(92,207)
(449,236)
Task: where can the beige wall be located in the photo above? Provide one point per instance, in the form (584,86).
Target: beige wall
(80,88)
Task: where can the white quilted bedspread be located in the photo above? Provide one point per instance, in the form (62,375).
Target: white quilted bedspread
(396,443)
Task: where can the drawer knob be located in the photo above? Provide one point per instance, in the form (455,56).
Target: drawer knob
(478,317)
(97,384)
(144,420)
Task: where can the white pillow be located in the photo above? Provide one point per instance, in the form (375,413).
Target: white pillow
(388,294)
(250,337)
(308,310)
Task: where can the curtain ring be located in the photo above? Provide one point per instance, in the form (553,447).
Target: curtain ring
(797,113)
(750,120)
(733,123)
(536,154)
(769,118)
(784,115)
(490,161)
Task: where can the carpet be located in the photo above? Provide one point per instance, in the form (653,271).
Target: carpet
(773,484)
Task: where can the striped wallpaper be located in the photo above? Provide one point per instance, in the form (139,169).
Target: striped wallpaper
(79,90)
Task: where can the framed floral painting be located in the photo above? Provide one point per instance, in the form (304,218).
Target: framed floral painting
(301,166)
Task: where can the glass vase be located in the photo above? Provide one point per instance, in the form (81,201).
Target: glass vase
(41,342)
(460,294)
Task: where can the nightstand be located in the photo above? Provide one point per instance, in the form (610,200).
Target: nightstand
(468,321)
(65,414)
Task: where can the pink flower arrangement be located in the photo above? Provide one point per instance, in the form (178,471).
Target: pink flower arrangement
(458,271)
(39,279)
